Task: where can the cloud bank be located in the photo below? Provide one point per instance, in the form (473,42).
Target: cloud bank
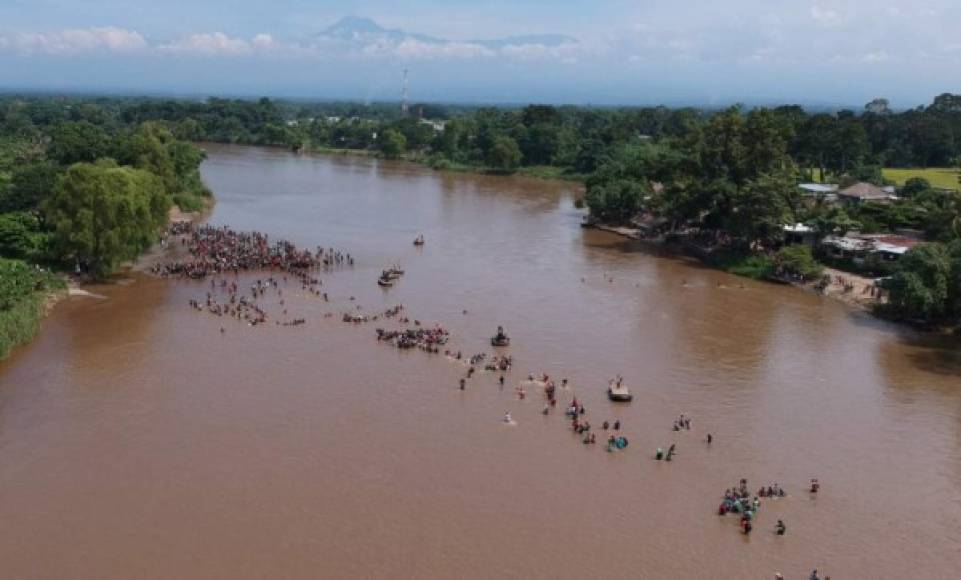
(349,38)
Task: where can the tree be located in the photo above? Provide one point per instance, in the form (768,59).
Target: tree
(954,282)
(798,260)
(616,201)
(504,154)
(834,221)
(31,184)
(21,236)
(103,214)
(765,147)
(914,186)
(393,143)
(759,210)
(878,106)
(919,288)
(77,141)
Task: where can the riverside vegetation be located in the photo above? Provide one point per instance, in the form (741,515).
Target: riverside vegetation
(85,183)
(82,192)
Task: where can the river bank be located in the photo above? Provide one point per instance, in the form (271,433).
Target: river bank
(851,289)
(543,172)
(22,319)
(27,294)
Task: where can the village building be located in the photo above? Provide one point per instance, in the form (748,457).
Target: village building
(800,234)
(437,126)
(813,194)
(862,192)
(858,247)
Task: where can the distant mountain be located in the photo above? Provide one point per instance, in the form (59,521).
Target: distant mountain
(358,29)
(361,30)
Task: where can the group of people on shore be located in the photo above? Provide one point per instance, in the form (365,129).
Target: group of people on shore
(216,250)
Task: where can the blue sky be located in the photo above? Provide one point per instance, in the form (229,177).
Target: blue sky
(611,51)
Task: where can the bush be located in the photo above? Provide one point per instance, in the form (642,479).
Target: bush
(920,290)
(23,290)
(189,203)
(440,163)
(21,236)
(756,267)
(798,260)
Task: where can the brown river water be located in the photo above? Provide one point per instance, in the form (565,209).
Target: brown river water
(137,441)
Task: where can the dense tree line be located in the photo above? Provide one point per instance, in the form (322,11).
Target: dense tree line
(80,187)
(574,139)
(727,177)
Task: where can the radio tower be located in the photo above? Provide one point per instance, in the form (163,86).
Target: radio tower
(405,96)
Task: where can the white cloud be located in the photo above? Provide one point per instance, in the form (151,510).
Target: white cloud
(413,49)
(220,44)
(263,42)
(826,16)
(566,53)
(75,41)
(209,44)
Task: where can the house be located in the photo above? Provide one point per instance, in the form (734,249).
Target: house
(815,193)
(437,126)
(892,247)
(866,193)
(858,247)
(799,234)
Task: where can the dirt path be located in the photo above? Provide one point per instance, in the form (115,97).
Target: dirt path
(852,289)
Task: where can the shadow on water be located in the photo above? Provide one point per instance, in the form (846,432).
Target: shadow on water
(934,353)
(938,355)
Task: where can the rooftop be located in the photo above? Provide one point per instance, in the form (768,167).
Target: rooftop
(818,187)
(866,192)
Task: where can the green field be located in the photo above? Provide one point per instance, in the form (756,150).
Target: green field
(941,177)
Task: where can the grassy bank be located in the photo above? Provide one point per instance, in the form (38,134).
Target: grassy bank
(534,171)
(940,177)
(24,293)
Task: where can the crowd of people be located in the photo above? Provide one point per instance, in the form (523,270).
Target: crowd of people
(217,250)
(426,339)
(738,500)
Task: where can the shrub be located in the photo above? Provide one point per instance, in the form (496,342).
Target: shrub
(756,267)
(798,260)
(23,290)
(189,203)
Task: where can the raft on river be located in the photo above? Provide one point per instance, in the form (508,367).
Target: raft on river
(501,338)
(619,393)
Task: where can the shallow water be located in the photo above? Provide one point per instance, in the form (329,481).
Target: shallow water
(136,440)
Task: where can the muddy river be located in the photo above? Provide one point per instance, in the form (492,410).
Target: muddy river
(138,441)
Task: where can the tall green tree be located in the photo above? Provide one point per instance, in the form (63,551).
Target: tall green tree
(504,154)
(103,214)
(393,143)
(919,289)
(77,141)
